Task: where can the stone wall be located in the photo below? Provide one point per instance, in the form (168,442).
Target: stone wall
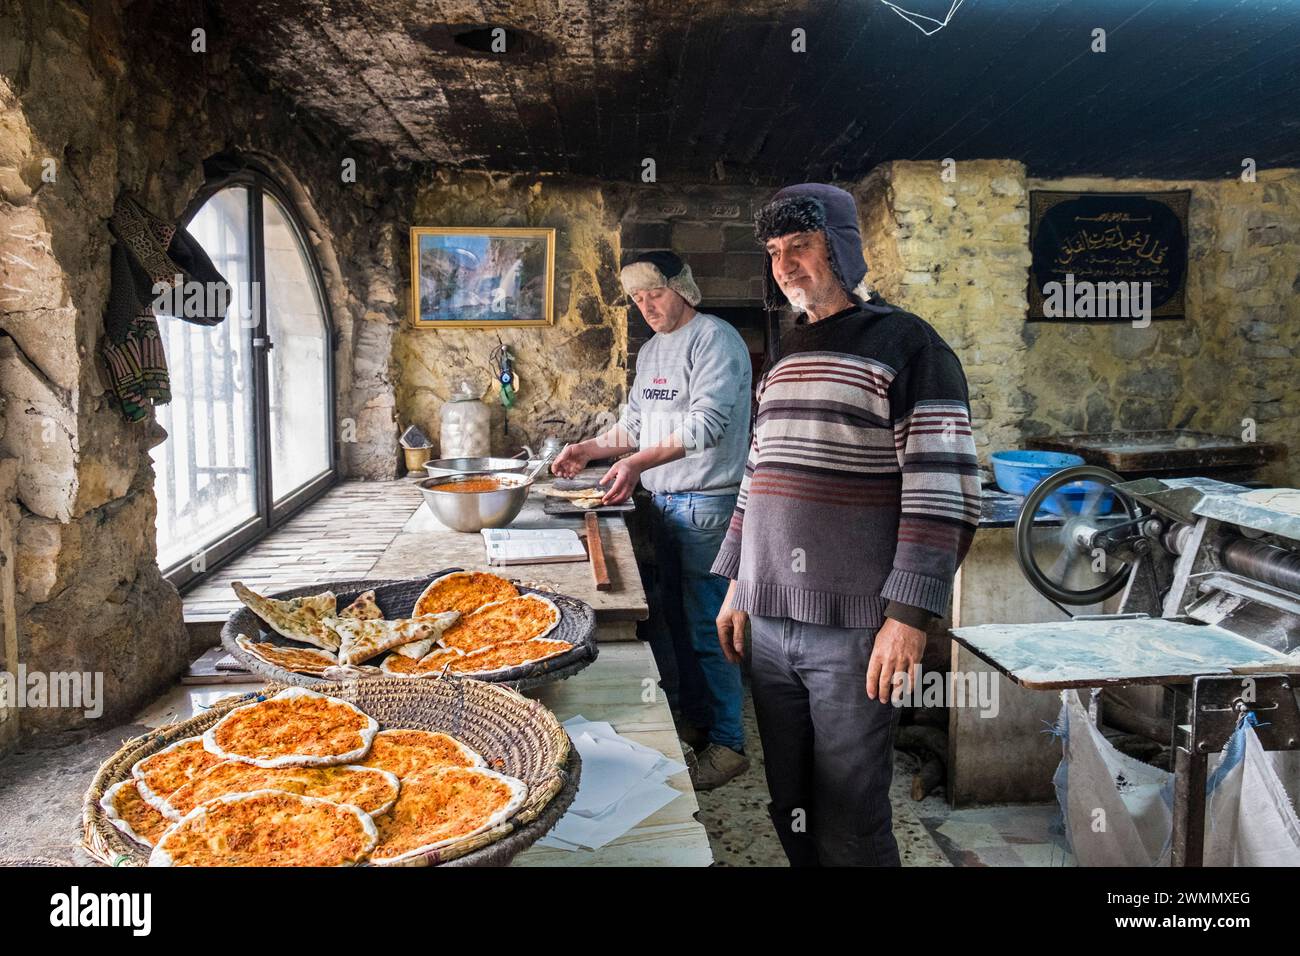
(8,609)
(711,226)
(1233,358)
(571,373)
(956,253)
(93,103)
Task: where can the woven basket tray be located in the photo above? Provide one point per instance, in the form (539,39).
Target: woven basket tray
(397,599)
(515,735)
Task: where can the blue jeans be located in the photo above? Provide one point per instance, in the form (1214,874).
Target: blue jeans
(686,530)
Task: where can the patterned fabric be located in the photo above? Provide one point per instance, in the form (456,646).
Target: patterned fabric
(861,492)
(150,251)
(137,368)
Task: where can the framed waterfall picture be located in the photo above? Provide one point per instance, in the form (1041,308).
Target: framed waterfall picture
(481,277)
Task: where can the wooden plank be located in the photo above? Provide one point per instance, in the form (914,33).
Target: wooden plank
(596,551)
(338,536)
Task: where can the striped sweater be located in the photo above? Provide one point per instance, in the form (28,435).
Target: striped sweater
(861,493)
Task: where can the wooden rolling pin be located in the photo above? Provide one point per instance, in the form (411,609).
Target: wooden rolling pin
(596,549)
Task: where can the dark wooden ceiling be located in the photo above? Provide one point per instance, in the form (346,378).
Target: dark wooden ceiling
(1187,88)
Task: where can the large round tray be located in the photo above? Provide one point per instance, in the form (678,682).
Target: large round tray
(515,735)
(396,599)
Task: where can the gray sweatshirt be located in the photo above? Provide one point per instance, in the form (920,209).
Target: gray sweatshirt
(695,382)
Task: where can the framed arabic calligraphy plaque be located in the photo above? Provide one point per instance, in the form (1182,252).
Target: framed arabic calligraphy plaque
(1095,246)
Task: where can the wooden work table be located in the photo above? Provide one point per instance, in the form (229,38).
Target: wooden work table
(614,688)
(425,545)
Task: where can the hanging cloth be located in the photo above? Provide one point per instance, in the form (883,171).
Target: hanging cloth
(150,252)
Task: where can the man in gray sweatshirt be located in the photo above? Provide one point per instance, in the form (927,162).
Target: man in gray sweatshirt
(687,424)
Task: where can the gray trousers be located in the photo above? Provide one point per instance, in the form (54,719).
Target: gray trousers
(827,747)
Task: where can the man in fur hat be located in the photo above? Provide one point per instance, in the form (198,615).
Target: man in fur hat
(687,425)
(859,501)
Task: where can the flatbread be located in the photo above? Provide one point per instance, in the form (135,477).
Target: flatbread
(517,619)
(300,660)
(268,828)
(350,672)
(128,811)
(161,773)
(576,494)
(295,728)
(430,665)
(364,608)
(299,619)
(362,640)
(372,789)
(417,649)
(440,807)
(410,752)
(502,657)
(462,591)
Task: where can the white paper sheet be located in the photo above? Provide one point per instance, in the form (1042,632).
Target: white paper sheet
(622,783)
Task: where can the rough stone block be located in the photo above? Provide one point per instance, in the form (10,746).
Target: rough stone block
(696,237)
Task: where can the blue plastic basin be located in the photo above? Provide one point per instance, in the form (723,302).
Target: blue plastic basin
(1017,472)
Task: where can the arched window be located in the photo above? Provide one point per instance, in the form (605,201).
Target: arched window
(251,421)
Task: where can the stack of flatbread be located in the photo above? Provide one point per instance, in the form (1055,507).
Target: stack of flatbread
(302,779)
(469,623)
(340,642)
(497,628)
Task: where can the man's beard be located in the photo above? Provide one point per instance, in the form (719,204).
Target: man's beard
(798,299)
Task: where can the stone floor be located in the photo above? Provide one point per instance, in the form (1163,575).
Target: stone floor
(338,536)
(929,832)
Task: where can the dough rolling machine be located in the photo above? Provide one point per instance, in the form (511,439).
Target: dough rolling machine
(1208,578)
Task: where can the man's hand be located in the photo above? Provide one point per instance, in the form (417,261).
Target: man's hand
(570,461)
(731,629)
(898,650)
(621,481)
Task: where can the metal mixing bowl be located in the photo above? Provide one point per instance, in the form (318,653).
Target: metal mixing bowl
(476,510)
(443,467)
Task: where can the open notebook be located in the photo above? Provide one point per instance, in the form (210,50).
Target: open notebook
(532,546)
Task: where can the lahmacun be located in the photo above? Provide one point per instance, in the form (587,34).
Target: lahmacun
(410,752)
(440,807)
(268,828)
(128,811)
(295,728)
(430,665)
(301,660)
(372,789)
(520,618)
(160,774)
(502,657)
(462,591)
